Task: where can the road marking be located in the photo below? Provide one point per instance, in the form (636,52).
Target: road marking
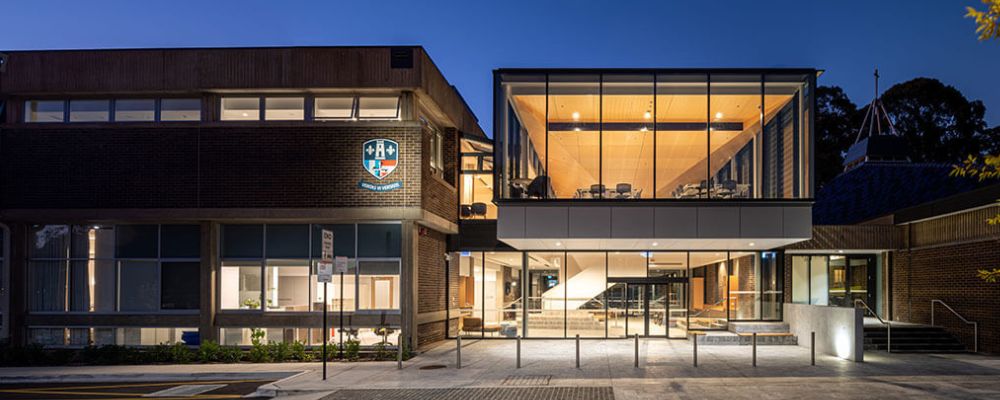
(88,390)
(184,391)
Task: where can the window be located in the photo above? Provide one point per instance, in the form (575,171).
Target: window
(379,240)
(272,267)
(128,110)
(44,111)
(334,108)
(140,286)
(176,290)
(240,109)
(378,285)
(284,108)
(437,150)
(89,110)
(180,110)
(378,107)
(106,269)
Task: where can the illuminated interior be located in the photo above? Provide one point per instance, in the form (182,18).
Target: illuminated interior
(640,136)
(476,185)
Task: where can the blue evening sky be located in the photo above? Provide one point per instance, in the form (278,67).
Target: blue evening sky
(468,39)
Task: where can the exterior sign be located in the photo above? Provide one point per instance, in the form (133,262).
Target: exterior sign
(324,272)
(327,250)
(340,265)
(380,157)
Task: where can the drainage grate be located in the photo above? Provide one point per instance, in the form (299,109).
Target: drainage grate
(433,366)
(527,380)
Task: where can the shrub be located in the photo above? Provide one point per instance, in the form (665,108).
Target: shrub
(209,351)
(230,354)
(159,353)
(180,353)
(259,351)
(299,351)
(106,355)
(352,349)
(280,351)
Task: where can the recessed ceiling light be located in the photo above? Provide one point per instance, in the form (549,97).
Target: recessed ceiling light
(840,251)
(643,129)
(718,115)
(655,244)
(752,244)
(576,116)
(246,115)
(647,115)
(558,244)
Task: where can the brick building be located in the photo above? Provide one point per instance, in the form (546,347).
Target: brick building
(179,194)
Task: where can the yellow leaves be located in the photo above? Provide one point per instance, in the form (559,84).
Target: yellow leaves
(988,168)
(991,276)
(986,21)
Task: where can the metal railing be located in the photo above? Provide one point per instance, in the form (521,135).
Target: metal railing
(975,326)
(888,329)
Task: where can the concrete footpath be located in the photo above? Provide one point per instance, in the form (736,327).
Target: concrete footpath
(606,371)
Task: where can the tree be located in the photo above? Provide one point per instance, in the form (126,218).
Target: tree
(835,124)
(937,122)
(987,25)
(983,168)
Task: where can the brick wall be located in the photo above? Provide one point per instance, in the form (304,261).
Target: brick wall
(948,273)
(440,195)
(203,166)
(431,289)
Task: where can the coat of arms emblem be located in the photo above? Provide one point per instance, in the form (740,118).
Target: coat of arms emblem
(380,157)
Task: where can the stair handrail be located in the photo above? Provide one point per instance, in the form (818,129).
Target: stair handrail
(888,329)
(975,326)
(709,308)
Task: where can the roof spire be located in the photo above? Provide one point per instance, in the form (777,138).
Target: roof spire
(872,143)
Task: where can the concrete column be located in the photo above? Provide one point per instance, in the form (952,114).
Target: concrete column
(408,284)
(18,306)
(209,272)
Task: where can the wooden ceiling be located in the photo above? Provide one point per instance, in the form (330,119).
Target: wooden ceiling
(628,155)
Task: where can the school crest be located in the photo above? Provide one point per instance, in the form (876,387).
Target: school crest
(380,157)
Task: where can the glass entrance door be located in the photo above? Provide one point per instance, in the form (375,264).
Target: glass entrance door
(654,309)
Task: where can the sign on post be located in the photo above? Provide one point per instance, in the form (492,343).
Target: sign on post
(324,272)
(340,265)
(327,250)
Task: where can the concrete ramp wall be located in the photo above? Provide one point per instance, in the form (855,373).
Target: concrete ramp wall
(839,330)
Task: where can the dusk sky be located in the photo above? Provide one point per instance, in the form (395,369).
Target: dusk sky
(468,39)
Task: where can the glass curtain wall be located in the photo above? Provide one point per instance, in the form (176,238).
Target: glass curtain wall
(476,191)
(489,294)
(835,280)
(612,294)
(643,135)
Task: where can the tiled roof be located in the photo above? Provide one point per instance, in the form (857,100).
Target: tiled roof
(874,189)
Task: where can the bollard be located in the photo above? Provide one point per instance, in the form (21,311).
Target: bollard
(812,347)
(458,352)
(399,353)
(755,349)
(519,351)
(696,350)
(578,351)
(637,350)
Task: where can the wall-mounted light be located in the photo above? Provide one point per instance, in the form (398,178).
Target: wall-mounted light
(718,115)
(576,116)
(647,115)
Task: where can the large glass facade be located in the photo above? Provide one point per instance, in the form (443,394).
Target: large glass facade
(476,185)
(612,294)
(835,280)
(655,134)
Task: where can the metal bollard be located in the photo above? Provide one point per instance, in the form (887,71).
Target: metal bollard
(637,350)
(458,352)
(812,347)
(696,351)
(519,351)
(578,351)
(399,353)
(755,349)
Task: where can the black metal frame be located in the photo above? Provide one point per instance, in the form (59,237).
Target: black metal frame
(648,280)
(762,74)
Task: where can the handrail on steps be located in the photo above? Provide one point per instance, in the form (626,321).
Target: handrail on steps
(975,326)
(888,329)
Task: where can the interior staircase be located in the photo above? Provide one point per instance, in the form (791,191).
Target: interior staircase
(913,339)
